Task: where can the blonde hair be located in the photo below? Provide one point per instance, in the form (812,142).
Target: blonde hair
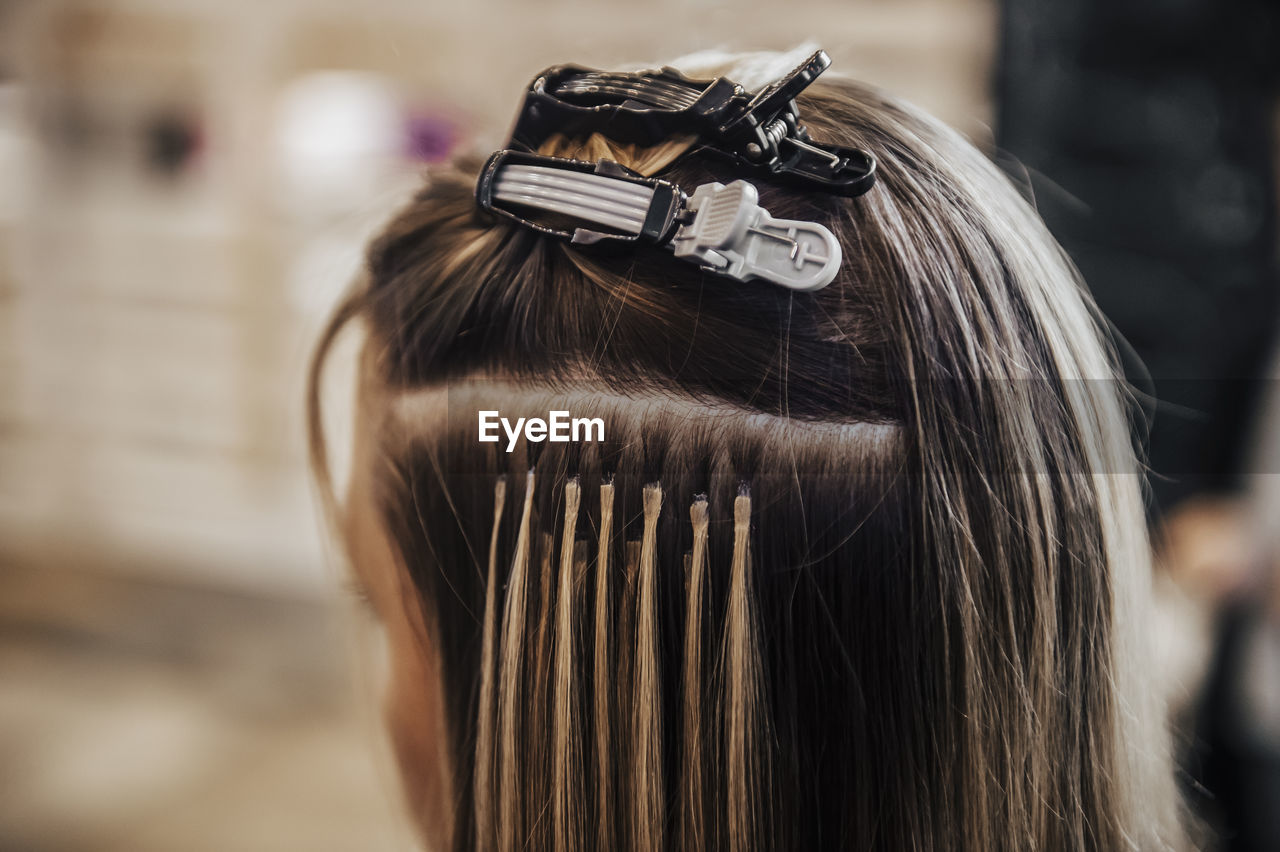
(860,568)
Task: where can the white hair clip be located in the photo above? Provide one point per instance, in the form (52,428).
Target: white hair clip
(722,228)
(733,235)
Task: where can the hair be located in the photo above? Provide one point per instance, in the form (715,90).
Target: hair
(862,568)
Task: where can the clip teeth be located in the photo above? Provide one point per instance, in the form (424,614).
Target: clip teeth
(731,234)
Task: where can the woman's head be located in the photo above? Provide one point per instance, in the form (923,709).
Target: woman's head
(860,568)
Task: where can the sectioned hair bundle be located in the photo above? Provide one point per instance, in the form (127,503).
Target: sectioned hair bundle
(599,723)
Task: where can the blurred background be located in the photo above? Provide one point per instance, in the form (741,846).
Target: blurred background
(185,189)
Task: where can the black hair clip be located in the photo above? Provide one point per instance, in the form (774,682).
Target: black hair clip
(761,130)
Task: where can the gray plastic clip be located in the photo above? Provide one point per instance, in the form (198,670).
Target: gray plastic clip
(731,234)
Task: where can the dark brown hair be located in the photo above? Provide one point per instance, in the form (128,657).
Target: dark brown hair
(863,568)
